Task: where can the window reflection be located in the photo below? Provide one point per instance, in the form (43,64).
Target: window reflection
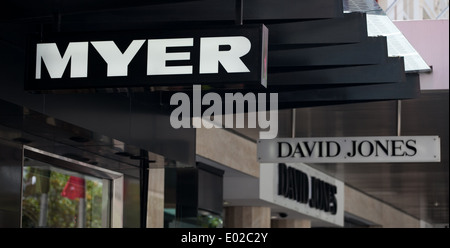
(58,198)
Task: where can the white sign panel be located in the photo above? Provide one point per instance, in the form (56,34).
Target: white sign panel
(304,190)
(375,149)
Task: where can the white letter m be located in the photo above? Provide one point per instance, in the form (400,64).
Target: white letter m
(56,64)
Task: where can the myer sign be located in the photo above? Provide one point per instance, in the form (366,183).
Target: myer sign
(303,190)
(402,149)
(232,56)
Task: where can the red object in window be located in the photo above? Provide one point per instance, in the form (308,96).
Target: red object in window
(74,188)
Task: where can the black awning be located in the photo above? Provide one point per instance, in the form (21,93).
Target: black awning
(316,51)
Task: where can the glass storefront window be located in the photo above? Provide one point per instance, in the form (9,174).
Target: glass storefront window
(58,198)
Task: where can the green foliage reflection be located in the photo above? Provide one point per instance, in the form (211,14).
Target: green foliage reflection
(62,212)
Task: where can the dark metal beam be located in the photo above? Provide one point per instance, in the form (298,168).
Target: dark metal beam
(361,93)
(143,184)
(292,9)
(351,28)
(180,10)
(371,51)
(391,71)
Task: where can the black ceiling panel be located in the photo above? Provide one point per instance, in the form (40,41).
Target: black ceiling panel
(351,28)
(292,9)
(29,9)
(371,51)
(339,95)
(178,10)
(391,71)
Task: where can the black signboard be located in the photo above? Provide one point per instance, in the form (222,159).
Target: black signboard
(226,57)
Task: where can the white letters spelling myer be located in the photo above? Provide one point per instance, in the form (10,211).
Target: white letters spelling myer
(117,62)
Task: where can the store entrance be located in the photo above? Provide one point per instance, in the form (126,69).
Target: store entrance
(59,192)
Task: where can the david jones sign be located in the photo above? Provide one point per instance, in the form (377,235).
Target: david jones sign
(294,184)
(351,149)
(303,192)
(229,55)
